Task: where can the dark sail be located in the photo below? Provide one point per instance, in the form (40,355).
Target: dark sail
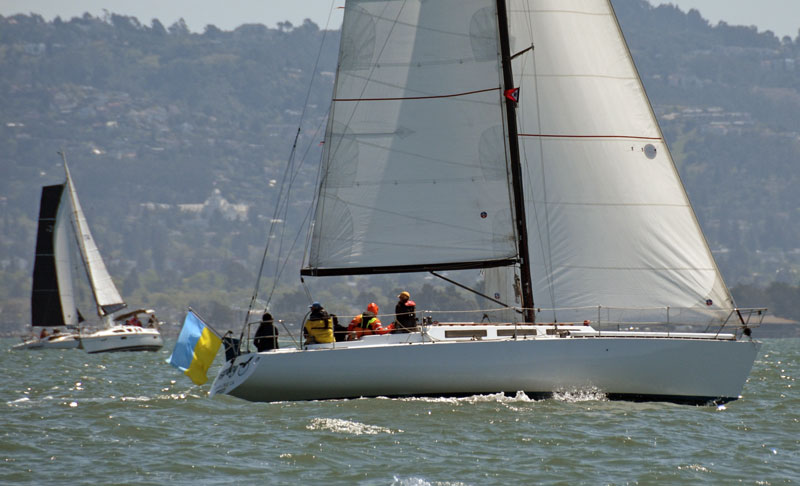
(45,300)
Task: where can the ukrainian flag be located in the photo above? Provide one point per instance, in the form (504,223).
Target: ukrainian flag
(196,348)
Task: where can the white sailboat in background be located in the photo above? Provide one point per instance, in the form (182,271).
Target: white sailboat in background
(512,136)
(53,303)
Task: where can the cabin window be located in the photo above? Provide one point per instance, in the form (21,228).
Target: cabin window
(466,333)
(518,332)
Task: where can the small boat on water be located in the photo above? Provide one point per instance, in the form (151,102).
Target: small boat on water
(130,331)
(514,137)
(64,239)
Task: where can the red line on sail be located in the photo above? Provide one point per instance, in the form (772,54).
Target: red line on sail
(544,135)
(418,97)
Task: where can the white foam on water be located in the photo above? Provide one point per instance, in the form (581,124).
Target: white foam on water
(583,395)
(410,482)
(348,427)
(416,481)
(488,398)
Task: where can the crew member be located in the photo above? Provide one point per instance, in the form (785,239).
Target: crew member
(405,314)
(367,324)
(319,325)
(266,335)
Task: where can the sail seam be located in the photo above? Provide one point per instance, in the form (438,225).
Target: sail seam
(453,95)
(596,14)
(584,76)
(415,218)
(660,205)
(552,135)
(671,269)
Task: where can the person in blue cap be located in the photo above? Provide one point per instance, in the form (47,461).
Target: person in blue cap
(319,325)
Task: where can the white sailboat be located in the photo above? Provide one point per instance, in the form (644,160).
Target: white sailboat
(513,136)
(53,294)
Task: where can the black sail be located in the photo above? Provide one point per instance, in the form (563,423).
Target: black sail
(45,301)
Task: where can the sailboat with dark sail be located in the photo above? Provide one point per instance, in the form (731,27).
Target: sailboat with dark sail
(512,136)
(63,240)
(52,301)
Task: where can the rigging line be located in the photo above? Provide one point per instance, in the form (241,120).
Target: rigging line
(302,159)
(271,231)
(286,172)
(404,215)
(496,301)
(279,271)
(432,97)
(302,225)
(547,135)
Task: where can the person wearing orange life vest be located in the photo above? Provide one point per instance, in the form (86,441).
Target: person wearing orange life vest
(319,326)
(367,324)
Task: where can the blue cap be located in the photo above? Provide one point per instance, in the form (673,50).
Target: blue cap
(315,305)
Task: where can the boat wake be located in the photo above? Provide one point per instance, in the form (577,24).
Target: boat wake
(576,396)
(350,427)
(487,398)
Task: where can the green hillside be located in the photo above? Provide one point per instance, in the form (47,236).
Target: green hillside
(178,141)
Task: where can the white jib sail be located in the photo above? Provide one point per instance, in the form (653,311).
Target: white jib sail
(105,292)
(608,218)
(62,237)
(415,167)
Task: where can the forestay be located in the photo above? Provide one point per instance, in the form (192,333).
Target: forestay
(414,166)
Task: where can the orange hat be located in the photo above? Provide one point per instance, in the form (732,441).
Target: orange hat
(372,307)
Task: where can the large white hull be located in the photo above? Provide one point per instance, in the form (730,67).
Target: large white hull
(63,341)
(638,367)
(122,338)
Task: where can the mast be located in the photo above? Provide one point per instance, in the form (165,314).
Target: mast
(516,167)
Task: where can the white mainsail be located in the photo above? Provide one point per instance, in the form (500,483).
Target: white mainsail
(105,292)
(414,172)
(609,221)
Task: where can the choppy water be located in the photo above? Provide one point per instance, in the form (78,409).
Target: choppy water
(73,418)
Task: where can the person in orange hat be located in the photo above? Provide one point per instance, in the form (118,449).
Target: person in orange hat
(406,314)
(367,324)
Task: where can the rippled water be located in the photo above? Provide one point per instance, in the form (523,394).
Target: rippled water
(73,418)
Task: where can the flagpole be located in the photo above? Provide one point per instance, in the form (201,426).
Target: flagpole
(205,322)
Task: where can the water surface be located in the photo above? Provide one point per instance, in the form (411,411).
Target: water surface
(129,418)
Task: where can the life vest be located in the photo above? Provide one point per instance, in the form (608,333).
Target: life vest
(319,330)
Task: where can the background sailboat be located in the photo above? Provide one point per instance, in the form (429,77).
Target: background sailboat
(54,295)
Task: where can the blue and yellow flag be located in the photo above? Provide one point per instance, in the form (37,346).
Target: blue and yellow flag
(196,348)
